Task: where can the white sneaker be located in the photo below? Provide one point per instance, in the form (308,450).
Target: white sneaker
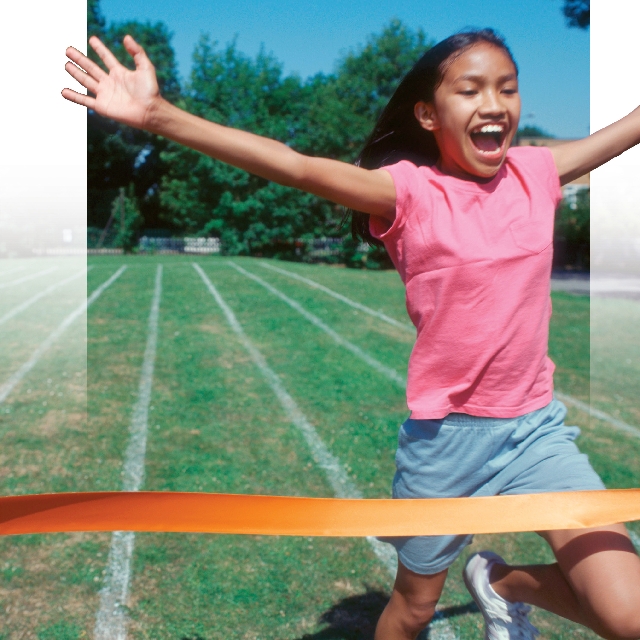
(503,620)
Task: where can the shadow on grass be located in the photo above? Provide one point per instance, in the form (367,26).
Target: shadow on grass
(355,617)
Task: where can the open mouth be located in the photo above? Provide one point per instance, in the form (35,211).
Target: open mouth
(489,138)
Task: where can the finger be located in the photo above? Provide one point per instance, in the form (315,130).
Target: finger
(84,63)
(105,55)
(136,52)
(78,74)
(79,98)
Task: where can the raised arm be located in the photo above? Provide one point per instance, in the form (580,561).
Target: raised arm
(133,98)
(574,159)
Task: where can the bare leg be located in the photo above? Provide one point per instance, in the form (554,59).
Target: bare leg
(541,585)
(595,582)
(412,604)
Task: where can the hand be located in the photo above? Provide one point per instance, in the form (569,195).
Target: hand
(123,95)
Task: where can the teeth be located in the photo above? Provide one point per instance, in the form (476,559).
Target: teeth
(492,128)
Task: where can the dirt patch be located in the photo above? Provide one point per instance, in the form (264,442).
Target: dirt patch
(53,420)
(47,587)
(215,329)
(346,586)
(122,371)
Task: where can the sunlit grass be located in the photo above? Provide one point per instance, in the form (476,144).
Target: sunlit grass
(615,358)
(215,426)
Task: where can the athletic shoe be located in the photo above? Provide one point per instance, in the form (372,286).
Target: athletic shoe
(503,620)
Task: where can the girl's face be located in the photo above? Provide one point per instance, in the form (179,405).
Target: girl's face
(475,112)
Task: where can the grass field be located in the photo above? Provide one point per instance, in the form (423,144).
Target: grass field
(214,424)
(615,357)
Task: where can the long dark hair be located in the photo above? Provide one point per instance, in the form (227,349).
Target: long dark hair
(397,134)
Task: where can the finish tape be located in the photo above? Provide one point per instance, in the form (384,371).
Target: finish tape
(293,516)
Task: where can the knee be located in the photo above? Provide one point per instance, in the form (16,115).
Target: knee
(404,618)
(412,604)
(418,613)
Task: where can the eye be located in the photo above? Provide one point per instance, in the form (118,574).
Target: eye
(510,91)
(468,92)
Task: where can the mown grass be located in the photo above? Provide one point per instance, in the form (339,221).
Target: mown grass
(615,357)
(216,426)
(47,583)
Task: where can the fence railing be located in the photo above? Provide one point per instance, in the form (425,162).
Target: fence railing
(315,249)
(202,246)
(322,248)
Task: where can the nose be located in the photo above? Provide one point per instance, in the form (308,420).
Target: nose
(491,104)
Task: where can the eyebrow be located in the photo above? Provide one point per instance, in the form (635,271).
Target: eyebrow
(473,78)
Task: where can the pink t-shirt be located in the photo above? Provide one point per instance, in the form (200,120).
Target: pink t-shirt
(476,262)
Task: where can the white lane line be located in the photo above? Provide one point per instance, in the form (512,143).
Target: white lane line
(392,374)
(25,305)
(111,620)
(601,415)
(25,278)
(342,485)
(10,384)
(338,296)
(12,270)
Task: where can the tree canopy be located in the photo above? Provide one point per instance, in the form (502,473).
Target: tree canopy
(328,115)
(533,131)
(173,190)
(185,192)
(119,156)
(577,13)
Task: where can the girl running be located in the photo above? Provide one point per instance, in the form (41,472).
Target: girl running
(468,223)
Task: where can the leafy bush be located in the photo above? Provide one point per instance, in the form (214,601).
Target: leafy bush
(572,225)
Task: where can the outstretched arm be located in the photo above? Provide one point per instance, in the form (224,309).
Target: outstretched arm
(133,98)
(574,159)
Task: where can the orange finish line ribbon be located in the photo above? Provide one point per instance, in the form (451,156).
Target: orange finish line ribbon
(293,516)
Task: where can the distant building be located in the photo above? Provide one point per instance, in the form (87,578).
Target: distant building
(569,191)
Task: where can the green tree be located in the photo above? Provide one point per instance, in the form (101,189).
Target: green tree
(365,80)
(127,218)
(95,20)
(577,13)
(572,224)
(117,154)
(342,108)
(328,115)
(202,195)
(531,131)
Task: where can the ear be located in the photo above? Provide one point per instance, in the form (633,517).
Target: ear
(426,115)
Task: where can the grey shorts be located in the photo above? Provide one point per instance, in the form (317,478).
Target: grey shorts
(463,455)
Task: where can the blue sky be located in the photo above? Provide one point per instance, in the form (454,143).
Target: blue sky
(308,37)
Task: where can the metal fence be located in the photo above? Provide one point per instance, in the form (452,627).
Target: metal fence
(202,246)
